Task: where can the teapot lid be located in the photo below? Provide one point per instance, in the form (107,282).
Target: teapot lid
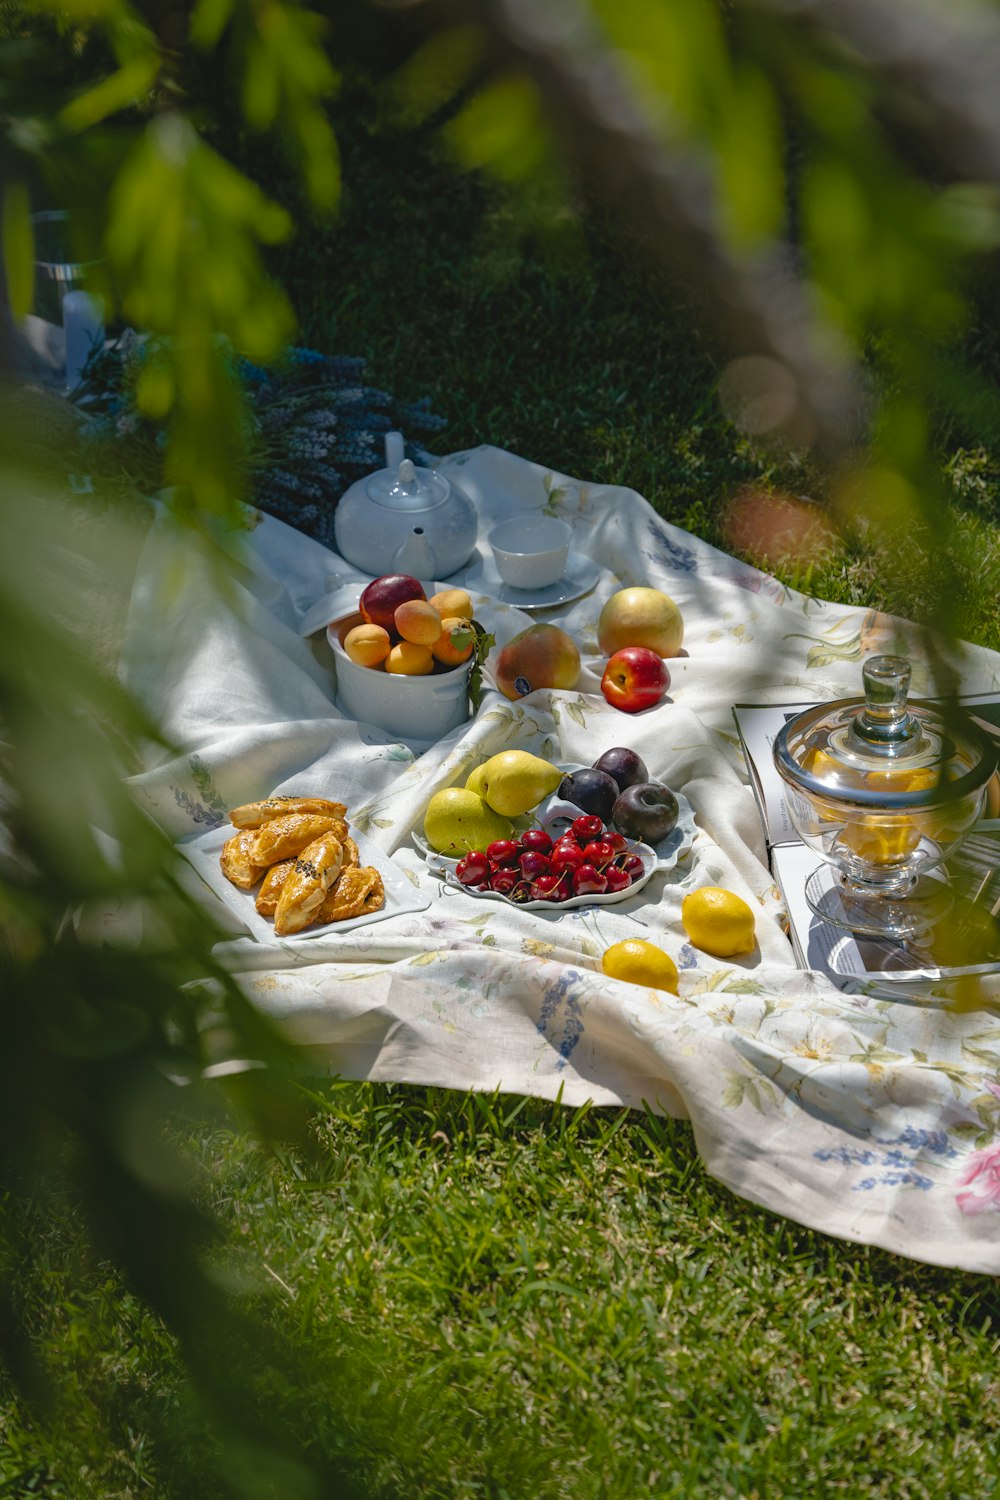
(880,750)
(402,485)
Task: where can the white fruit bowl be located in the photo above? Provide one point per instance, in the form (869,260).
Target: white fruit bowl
(416,710)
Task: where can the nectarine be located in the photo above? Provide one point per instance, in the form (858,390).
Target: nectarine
(379,600)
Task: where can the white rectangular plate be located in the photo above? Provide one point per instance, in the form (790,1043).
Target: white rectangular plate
(202,852)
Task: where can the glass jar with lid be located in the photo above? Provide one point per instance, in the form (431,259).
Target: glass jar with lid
(884,790)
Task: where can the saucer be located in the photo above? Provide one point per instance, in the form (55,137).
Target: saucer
(579,578)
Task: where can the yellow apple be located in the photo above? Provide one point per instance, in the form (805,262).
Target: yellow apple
(640,617)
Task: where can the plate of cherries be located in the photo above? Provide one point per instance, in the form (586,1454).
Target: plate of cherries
(587,864)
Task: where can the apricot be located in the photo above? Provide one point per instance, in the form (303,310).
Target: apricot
(448,651)
(409,660)
(451,602)
(367,645)
(418,622)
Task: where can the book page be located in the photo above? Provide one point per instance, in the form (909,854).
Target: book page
(758,728)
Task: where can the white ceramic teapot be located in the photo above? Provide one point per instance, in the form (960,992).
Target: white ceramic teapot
(405,519)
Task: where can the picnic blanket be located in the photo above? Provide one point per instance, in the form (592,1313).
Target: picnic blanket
(873,1119)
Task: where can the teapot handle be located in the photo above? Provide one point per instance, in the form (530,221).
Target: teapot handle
(394,450)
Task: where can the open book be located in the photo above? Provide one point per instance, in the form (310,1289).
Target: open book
(969,939)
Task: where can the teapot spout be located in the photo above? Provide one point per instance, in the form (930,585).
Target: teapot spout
(416,556)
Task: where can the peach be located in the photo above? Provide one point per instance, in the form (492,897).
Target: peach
(409,660)
(367,645)
(418,622)
(449,651)
(451,602)
(543,656)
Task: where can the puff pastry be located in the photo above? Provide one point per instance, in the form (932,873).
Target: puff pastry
(237,862)
(253,814)
(267,896)
(358,891)
(351,855)
(286,837)
(307,883)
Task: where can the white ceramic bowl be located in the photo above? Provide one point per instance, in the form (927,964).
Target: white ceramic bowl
(417,710)
(531,550)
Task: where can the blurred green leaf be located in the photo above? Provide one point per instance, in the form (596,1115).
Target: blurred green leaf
(676,58)
(134,79)
(209,21)
(18,248)
(967,215)
(749,143)
(431,77)
(500,128)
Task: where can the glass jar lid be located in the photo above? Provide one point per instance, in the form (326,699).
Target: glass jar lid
(882,751)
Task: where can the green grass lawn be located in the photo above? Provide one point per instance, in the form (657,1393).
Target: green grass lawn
(481,1297)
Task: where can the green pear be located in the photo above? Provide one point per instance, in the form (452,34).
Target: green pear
(458,820)
(514,782)
(475,782)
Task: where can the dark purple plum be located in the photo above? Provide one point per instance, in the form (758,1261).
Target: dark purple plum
(591,791)
(623,766)
(647,812)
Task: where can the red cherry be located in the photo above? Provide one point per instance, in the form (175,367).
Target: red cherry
(534,864)
(588,881)
(566,857)
(504,880)
(537,839)
(586,827)
(599,853)
(618,880)
(618,841)
(474,868)
(632,865)
(546,888)
(502,851)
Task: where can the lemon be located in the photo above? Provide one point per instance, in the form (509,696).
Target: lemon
(639,962)
(881,841)
(718,922)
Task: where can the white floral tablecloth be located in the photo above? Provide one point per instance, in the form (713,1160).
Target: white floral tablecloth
(872,1119)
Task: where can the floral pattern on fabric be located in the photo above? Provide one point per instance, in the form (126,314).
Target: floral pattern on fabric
(870,1117)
